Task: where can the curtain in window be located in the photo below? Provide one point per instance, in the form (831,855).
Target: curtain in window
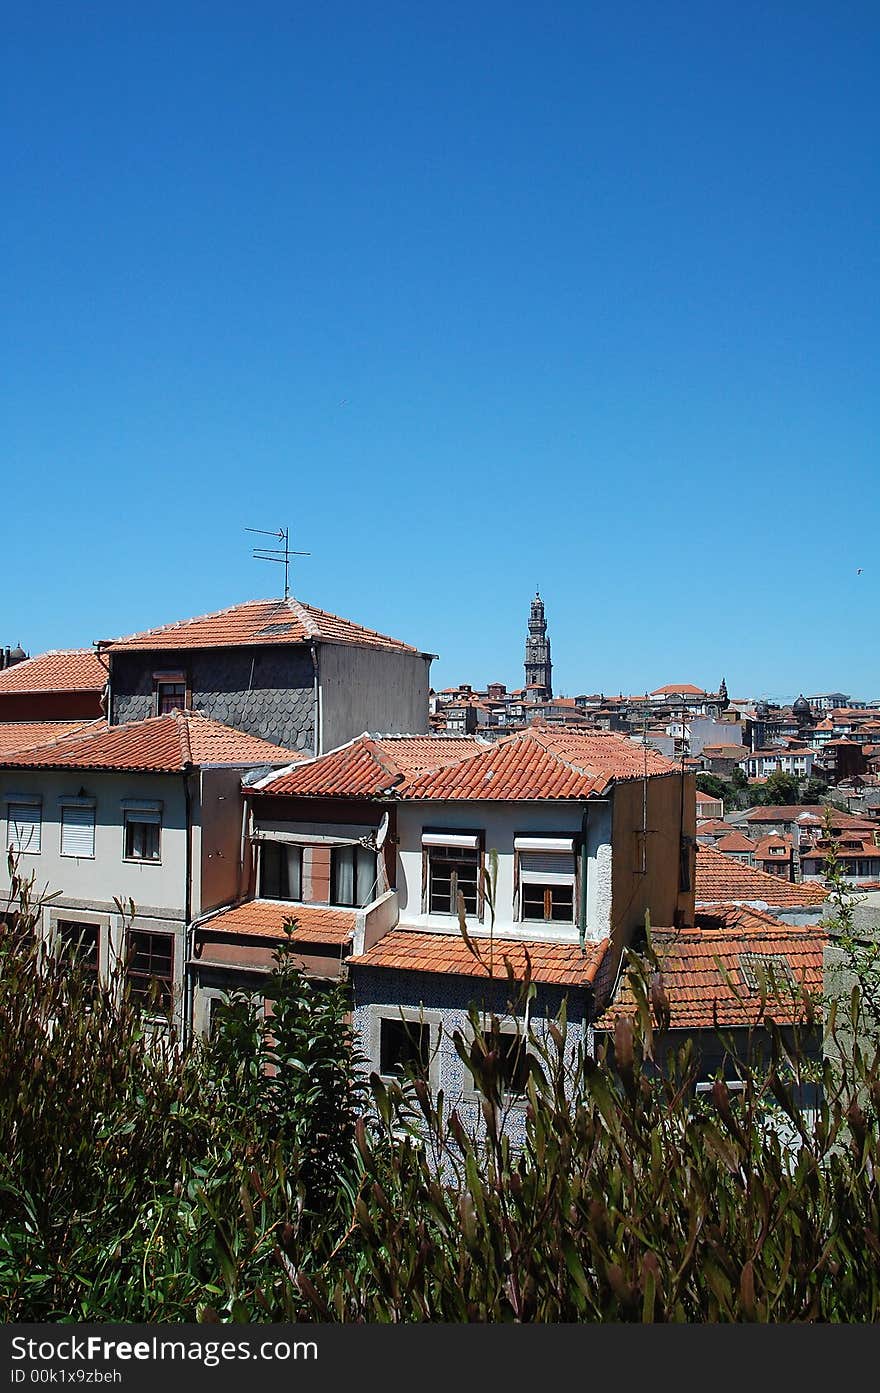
(344,874)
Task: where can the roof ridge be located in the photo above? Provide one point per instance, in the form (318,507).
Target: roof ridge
(303,613)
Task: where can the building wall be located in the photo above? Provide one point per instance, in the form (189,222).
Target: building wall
(50,706)
(500,823)
(86,887)
(442,1003)
(219,840)
(371,689)
(657,888)
(155,888)
(268,692)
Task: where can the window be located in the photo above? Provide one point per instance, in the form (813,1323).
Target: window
(24,827)
(80,943)
(142,835)
(170,696)
(352,875)
(767,972)
(150,968)
(280,871)
(452,871)
(404,1045)
(548,902)
(513,1065)
(78,829)
(545,868)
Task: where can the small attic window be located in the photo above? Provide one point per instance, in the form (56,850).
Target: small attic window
(770,971)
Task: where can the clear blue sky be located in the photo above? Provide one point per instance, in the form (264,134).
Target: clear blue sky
(473,296)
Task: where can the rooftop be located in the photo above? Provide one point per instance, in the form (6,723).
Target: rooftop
(722,879)
(60,670)
(267,918)
(406,950)
(714,977)
(368,766)
(22,735)
(161,744)
(268,622)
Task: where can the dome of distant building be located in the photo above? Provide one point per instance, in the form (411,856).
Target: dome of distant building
(17,654)
(801,706)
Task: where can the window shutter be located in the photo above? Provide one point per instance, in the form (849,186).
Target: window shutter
(546,867)
(77,831)
(24,827)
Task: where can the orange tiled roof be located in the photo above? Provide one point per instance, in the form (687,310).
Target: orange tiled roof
(722,879)
(705,979)
(257,622)
(22,735)
(542,762)
(60,670)
(560,964)
(734,841)
(681,689)
(160,744)
(369,766)
(266,919)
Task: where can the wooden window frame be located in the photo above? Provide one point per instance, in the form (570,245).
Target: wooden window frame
(480,849)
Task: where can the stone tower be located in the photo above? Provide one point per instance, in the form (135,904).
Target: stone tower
(539,669)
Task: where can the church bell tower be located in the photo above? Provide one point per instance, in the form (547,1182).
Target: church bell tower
(539,669)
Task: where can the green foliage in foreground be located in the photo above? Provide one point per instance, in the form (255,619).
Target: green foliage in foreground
(252,1180)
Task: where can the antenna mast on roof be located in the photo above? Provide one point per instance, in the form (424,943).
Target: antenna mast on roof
(281,554)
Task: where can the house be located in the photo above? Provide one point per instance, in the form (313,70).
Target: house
(775,855)
(827,701)
(280,670)
(858,853)
(708,806)
(735,844)
(398,831)
(723,880)
(760,764)
(61,685)
(719,978)
(150,811)
(722,760)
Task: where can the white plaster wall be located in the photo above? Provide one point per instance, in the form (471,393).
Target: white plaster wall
(501,822)
(155,888)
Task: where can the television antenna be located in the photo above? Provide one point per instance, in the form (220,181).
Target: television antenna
(281,553)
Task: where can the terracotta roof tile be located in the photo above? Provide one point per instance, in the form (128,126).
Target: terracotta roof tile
(722,879)
(161,744)
(542,762)
(22,735)
(680,689)
(707,974)
(734,842)
(268,622)
(369,766)
(60,670)
(266,919)
(560,964)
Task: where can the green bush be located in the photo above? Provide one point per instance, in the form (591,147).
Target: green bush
(251,1179)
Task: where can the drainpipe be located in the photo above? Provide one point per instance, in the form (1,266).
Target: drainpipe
(188,934)
(316,697)
(582,906)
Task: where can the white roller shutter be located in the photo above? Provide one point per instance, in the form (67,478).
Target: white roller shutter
(462,839)
(77,831)
(24,827)
(546,867)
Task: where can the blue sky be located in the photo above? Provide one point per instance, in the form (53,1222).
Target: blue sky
(473,297)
